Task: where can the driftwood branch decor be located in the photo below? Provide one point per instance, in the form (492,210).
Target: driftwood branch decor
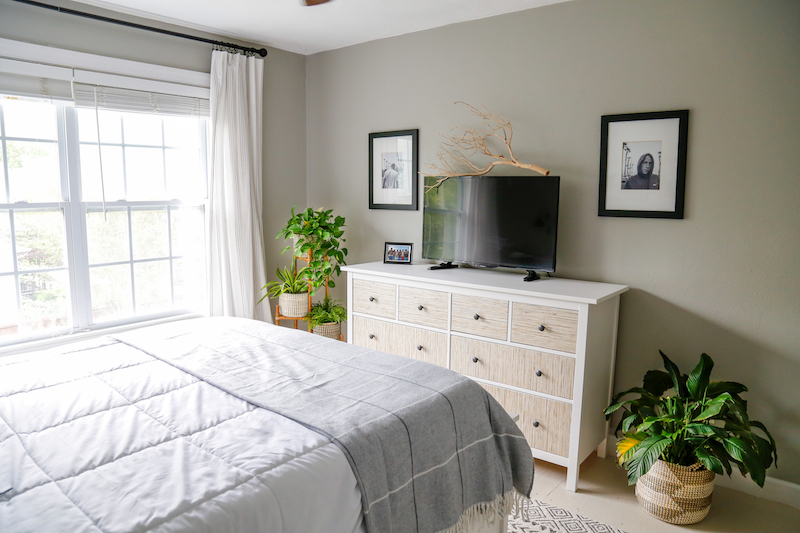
(455,152)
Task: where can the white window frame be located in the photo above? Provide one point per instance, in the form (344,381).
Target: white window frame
(36,60)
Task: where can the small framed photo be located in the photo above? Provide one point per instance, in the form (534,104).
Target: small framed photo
(397,252)
(643,164)
(393,160)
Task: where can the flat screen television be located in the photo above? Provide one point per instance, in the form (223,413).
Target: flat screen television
(491,221)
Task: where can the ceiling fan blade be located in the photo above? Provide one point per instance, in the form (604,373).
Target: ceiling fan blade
(314,2)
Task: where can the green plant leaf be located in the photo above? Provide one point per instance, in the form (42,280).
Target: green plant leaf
(715,388)
(678,381)
(697,382)
(706,429)
(720,453)
(630,421)
(740,451)
(714,407)
(709,460)
(759,425)
(656,382)
(646,455)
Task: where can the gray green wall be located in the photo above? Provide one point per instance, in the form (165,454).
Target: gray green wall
(724,280)
(284,139)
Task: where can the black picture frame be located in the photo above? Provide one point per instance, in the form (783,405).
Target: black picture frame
(398,253)
(626,191)
(394,153)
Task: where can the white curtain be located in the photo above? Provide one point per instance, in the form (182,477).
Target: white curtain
(236,246)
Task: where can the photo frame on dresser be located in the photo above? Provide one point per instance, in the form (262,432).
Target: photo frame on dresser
(643,164)
(393,162)
(397,252)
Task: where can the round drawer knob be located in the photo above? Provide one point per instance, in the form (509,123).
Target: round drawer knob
(475,359)
(420,307)
(477,316)
(371,298)
(541,327)
(536,424)
(371,336)
(419,347)
(538,373)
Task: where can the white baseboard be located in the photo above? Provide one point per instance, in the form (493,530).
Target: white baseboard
(775,489)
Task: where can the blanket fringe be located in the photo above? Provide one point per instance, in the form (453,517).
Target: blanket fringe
(511,503)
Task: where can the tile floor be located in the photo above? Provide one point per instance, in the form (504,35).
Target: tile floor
(604,495)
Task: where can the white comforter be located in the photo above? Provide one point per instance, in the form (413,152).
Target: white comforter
(103,437)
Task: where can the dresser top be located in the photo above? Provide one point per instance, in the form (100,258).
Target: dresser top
(569,290)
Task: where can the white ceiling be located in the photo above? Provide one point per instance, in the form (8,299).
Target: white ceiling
(290,25)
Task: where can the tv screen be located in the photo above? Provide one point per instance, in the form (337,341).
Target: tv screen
(492,221)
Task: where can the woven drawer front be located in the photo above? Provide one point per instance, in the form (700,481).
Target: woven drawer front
(424,307)
(492,316)
(373,298)
(415,343)
(513,366)
(544,327)
(370,333)
(553,417)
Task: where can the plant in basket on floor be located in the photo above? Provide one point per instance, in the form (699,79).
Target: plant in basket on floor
(291,289)
(673,445)
(326,317)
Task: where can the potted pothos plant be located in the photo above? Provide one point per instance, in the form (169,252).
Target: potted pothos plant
(673,444)
(291,289)
(326,317)
(318,236)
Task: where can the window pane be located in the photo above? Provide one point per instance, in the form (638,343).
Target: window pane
(144,169)
(150,234)
(189,278)
(188,232)
(144,129)
(3,198)
(6,252)
(185,177)
(183,132)
(107,239)
(30,120)
(40,239)
(44,300)
(152,282)
(111,292)
(113,176)
(33,171)
(110,126)
(9,314)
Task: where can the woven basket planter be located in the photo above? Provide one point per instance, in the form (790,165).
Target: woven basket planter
(332,330)
(676,494)
(293,305)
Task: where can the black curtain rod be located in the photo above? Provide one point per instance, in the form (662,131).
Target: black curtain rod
(262,52)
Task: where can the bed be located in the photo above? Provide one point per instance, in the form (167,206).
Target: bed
(233,425)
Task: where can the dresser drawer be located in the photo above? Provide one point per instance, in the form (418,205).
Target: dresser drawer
(424,345)
(544,327)
(422,306)
(526,369)
(373,298)
(545,423)
(486,317)
(372,334)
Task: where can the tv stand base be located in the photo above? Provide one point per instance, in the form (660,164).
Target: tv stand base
(442,266)
(532,276)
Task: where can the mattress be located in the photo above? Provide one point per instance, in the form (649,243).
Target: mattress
(102,437)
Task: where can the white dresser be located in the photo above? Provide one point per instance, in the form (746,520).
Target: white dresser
(544,349)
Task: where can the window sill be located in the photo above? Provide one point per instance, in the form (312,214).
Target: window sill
(61,340)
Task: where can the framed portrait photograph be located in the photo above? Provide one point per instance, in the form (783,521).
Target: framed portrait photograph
(397,252)
(643,164)
(393,160)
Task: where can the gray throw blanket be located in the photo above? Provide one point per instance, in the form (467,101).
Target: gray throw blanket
(431,450)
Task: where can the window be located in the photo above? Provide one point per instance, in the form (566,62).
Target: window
(65,265)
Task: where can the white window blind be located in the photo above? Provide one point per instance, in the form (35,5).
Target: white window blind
(31,80)
(119,99)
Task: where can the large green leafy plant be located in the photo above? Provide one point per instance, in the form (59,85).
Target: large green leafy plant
(325,312)
(700,421)
(319,234)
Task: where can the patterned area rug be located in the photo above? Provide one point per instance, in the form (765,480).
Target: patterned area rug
(542,517)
